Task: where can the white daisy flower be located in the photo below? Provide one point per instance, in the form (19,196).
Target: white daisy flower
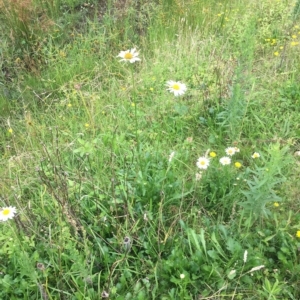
(129,55)
(225,160)
(7,213)
(202,163)
(230,151)
(176,87)
(255,155)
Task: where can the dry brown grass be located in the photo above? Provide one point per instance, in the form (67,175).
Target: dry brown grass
(22,15)
(25,24)
(22,9)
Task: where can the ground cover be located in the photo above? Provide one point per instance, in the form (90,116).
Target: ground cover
(149,149)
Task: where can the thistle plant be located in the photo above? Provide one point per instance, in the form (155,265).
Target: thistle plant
(264,182)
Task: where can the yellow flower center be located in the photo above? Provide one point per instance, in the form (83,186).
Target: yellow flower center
(202,162)
(5,212)
(176,87)
(128,55)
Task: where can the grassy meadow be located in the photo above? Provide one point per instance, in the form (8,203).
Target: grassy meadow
(115,187)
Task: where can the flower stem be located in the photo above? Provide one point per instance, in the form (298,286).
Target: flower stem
(135,111)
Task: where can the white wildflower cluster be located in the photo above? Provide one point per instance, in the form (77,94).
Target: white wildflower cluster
(178,88)
(230,151)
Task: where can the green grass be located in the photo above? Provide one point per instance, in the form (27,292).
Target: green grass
(86,143)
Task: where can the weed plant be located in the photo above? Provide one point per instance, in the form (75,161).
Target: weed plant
(166,171)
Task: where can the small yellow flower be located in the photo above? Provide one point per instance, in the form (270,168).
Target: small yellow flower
(69,105)
(281,47)
(151,89)
(294,36)
(276,53)
(212,154)
(10,130)
(87,125)
(296,26)
(237,164)
(267,40)
(62,54)
(132,104)
(298,234)
(276,204)
(294,43)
